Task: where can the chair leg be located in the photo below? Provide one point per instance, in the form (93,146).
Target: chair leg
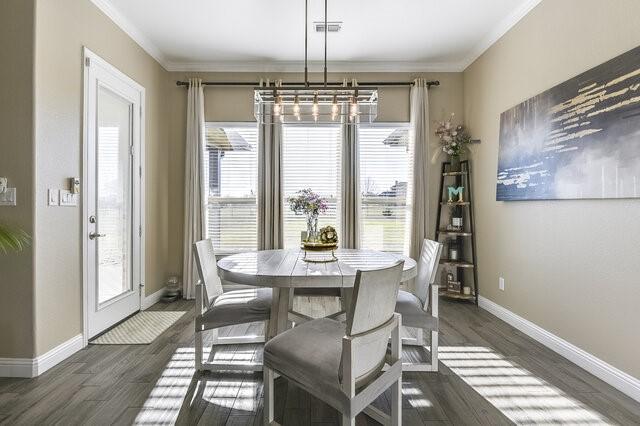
(396,403)
(269,395)
(434,350)
(198,350)
(348,421)
(419,337)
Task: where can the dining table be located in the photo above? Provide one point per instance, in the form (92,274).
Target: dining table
(286,269)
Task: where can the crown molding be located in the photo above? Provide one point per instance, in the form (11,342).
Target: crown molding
(498,31)
(295,66)
(131,30)
(298,66)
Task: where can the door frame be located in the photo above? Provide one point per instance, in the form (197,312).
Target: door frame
(89,58)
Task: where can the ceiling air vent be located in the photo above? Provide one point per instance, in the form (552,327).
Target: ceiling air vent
(333,26)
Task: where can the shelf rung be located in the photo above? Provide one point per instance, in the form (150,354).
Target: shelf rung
(457,263)
(455,203)
(457,233)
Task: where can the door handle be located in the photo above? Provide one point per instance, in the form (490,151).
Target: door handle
(93,235)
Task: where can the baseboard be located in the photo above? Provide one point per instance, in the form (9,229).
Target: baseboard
(33,367)
(153,298)
(620,380)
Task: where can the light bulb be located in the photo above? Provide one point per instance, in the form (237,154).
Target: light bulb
(277,106)
(354,106)
(315,108)
(296,107)
(334,108)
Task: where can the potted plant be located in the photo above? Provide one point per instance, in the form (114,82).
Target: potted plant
(311,205)
(13,239)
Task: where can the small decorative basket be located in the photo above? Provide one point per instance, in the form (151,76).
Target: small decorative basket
(319,249)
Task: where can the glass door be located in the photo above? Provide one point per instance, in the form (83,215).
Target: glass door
(113,269)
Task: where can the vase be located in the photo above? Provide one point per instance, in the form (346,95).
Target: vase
(312,227)
(455,163)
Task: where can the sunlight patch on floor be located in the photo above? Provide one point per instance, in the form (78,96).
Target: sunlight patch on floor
(179,391)
(515,391)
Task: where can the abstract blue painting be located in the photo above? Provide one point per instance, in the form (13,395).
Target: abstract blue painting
(579,139)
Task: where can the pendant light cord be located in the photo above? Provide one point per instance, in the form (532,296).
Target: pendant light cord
(306,19)
(326,30)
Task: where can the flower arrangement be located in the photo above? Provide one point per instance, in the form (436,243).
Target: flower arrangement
(453,139)
(311,205)
(307,202)
(13,239)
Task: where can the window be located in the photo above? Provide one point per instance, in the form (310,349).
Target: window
(386,185)
(231,173)
(310,159)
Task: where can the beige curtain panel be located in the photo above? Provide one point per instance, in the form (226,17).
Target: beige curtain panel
(420,136)
(350,187)
(270,214)
(194,199)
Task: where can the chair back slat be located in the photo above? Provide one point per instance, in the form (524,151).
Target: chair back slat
(208,270)
(427,268)
(370,318)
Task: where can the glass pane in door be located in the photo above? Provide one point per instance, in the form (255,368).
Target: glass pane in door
(113,195)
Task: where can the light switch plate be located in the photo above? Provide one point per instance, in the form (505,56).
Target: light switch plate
(68,199)
(8,197)
(53,197)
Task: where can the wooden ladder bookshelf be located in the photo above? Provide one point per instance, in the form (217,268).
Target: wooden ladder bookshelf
(463,237)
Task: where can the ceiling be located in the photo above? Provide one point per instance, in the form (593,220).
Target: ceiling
(268,35)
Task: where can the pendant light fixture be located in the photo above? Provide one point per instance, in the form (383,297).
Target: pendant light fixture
(315,102)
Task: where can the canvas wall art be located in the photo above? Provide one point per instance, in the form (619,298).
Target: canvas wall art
(580,139)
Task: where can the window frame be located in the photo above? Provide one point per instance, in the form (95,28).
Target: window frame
(237,124)
(409,199)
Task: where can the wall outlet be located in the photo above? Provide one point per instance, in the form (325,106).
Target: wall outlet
(501,283)
(53,197)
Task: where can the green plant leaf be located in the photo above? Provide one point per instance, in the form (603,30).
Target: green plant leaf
(13,239)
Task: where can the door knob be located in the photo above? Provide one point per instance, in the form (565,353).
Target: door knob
(93,235)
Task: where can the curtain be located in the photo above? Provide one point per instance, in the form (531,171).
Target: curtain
(194,199)
(350,185)
(420,194)
(270,214)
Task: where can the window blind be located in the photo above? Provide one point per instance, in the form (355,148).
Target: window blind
(231,175)
(310,159)
(386,185)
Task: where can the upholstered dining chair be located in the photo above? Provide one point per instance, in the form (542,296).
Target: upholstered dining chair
(216,308)
(420,310)
(345,364)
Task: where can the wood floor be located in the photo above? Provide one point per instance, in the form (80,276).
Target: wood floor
(490,374)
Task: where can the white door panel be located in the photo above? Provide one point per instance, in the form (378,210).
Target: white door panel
(112,195)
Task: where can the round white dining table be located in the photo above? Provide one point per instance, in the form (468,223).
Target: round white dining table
(284,270)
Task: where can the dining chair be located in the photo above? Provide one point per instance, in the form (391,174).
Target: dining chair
(420,310)
(216,308)
(345,364)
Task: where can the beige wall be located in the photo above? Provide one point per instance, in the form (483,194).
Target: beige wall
(224,104)
(17,36)
(572,267)
(63,28)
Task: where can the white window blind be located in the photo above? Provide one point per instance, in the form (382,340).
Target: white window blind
(386,185)
(231,175)
(310,159)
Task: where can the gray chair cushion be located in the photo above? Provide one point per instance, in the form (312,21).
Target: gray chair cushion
(410,307)
(237,307)
(310,354)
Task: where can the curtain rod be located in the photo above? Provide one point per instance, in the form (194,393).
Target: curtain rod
(335,84)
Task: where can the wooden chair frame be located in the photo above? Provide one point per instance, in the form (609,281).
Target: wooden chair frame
(429,310)
(360,401)
(218,341)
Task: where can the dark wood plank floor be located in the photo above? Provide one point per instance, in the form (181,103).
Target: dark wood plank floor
(490,374)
